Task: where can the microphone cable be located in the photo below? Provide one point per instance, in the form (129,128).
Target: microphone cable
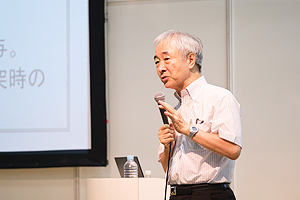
(167,171)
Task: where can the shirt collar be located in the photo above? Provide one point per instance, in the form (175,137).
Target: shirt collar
(193,88)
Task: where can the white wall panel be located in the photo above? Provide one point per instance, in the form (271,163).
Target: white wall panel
(37,184)
(267,79)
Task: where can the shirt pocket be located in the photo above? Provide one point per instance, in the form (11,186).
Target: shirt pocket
(188,145)
(205,126)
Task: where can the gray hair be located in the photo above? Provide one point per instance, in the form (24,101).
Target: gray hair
(186,44)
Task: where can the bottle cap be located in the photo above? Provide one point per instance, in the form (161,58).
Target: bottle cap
(148,173)
(130,157)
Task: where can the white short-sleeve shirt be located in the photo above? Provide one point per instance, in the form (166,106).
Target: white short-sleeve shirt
(214,110)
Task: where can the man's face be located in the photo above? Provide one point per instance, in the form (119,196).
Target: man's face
(172,70)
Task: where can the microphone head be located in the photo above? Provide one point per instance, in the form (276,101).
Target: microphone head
(159,96)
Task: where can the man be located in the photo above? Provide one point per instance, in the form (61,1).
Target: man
(204,133)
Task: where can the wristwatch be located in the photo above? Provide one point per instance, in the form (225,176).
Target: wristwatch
(193,131)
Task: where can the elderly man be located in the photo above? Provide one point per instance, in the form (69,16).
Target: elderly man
(204,133)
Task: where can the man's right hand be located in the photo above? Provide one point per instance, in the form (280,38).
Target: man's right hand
(166,134)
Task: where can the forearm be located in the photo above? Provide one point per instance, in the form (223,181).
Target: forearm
(220,146)
(214,143)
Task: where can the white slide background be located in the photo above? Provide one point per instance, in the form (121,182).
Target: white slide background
(44,75)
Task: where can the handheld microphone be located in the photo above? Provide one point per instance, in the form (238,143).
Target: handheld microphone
(160,96)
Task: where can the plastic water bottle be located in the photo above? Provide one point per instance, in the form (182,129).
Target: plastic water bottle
(130,168)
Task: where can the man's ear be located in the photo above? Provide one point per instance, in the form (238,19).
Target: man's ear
(192,60)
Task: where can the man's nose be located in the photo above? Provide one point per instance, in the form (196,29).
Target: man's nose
(161,68)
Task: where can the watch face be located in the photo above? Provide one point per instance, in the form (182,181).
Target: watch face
(194,129)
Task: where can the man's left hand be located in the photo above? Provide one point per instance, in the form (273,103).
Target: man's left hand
(179,124)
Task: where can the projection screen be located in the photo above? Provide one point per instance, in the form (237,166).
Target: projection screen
(52,83)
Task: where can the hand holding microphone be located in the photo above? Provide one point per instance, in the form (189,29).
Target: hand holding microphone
(166,132)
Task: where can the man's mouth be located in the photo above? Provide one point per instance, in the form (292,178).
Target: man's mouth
(164,78)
